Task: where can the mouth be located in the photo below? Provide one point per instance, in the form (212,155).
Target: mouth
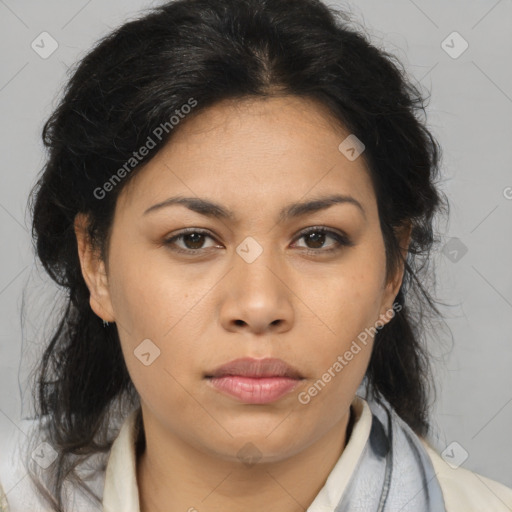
(255,381)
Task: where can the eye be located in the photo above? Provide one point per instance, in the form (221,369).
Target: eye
(316,237)
(192,238)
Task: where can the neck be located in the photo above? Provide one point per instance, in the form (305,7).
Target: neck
(197,482)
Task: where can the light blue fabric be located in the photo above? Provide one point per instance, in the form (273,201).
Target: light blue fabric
(394,472)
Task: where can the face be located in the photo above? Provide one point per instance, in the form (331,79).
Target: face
(265,281)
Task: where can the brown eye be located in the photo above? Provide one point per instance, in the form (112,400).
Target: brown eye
(315,238)
(193,241)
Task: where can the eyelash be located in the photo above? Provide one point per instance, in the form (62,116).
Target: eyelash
(341,240)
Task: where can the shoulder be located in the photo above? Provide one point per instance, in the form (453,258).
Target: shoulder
(467,491)
(3,500)
(20,446)
(23,445)
(15,486)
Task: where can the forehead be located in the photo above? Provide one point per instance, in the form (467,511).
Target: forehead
(252,153)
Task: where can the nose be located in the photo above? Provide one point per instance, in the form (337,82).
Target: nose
(257,297)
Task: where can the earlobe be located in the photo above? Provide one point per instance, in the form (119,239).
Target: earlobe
(403,235)
(388,309)
(93,271)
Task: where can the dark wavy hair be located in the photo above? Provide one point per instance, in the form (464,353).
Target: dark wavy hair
(134,80)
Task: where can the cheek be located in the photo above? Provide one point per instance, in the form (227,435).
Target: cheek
(156,335)
(148,297)
(349,298)
(346,305)
(151,302)
(337,369)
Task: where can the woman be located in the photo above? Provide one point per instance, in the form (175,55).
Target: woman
(239,201)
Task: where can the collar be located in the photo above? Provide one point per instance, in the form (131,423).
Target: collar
(121,492)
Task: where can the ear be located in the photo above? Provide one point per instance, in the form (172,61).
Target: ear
(93,271)
(403,235)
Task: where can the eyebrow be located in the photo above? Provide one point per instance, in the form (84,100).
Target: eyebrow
(211,209)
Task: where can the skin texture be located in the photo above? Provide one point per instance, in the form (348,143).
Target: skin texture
(254,157)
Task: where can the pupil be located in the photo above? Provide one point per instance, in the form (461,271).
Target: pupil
(195,236)
(314,237)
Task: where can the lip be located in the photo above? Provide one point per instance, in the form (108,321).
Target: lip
(255,381)
(250,367)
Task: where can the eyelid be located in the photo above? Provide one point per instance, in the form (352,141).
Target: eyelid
(324,229)
(341,238)
(169,240)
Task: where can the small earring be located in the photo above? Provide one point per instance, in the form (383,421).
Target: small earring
(105,324)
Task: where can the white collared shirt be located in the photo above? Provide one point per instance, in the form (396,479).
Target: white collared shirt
(463,490)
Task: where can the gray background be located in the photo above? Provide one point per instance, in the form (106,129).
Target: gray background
(470,112)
